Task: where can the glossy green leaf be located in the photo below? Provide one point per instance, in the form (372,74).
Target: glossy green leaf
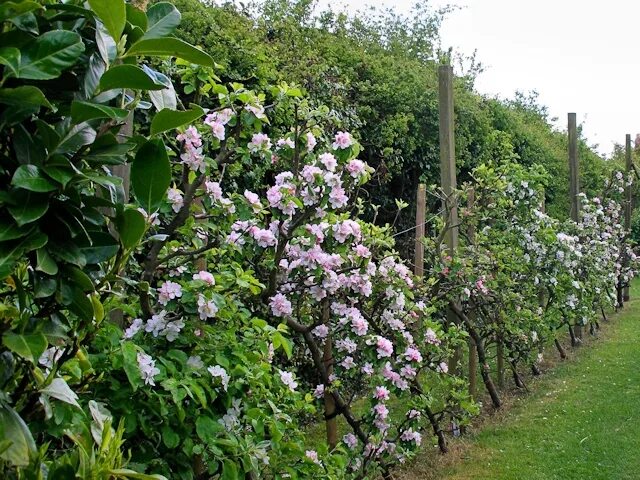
(15,430)
(10,57)
(31,178)
(127,473)
(113,15)
(130,364)
(137,17)
(9,10)
(171,47)
(170,438)
(30,347)
(128,76)
(84,111)
(10,231)
(28,207)
(103,247)
(151,175)
(167,119)
(22,102)
(131,226)
(50,54)
(163,18)
(45,263)
(13,251)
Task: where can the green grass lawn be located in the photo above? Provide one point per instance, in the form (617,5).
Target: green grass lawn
(581,421)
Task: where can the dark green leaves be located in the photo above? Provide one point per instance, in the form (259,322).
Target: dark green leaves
(151,175)
(129,76)
(84,111)
(171,47)
(131,226)
(163,18)
(24,96)
(130,364)
(10,57)
(50,54)
(30,178)
(30,347)
(167,119)
(113,15)
(28,206)
(14,429)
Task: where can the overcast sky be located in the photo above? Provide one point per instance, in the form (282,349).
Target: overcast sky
(581,56)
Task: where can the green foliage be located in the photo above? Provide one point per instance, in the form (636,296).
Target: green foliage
(69,84)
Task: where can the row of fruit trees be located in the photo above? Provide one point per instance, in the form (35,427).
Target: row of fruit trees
(159,318)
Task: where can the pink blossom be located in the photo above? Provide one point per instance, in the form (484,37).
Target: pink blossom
(346,345)
(258,111)
(193,158)
(381,411)
(362,251)
(442,368)
(311,141)
(319,391)
(213,190)
(264,238)
(411,436)
(168,291)
(408,371)
(206,277)
(329,161)
(338,197)
(384,347)
(412,354)
(206,308)
(321,331)
(313,456)
(217,129)
(431,337)
(350,440)
(175,197)
(342,140)
(367,369)
(285,142)
(381,393)
(280,306)
(222,117)
(288,380)
(191,137)
(259,141)
(274,195)
(356,168)
(359,325)
(253,200)
(348,363)
(310,172)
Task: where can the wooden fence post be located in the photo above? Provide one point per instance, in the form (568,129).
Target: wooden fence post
(628,207)
(574,183)
(448,177)
(421,206)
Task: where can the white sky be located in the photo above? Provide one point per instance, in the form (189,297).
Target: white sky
(581,56)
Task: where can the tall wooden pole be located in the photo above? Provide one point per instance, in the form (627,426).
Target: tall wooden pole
(574,183)
(448,155)
(448,177)
(628,207)
(421,206)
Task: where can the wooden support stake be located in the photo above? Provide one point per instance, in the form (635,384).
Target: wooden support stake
(628,207)
(448,177)
(574,183)
(421,206)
